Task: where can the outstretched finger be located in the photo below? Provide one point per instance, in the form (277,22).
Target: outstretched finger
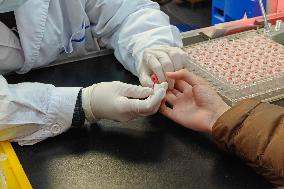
(186,76)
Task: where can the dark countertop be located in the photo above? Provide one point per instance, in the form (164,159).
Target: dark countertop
(148,152)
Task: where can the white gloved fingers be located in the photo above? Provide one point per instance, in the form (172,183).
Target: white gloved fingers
(155,66)
(151,105)
(148,106)
(134,91)
(163,85)
(178,57)
(164,60)
(157,89)
(120,101)
(155,100)
(167,65)
(160,60)
(145,79)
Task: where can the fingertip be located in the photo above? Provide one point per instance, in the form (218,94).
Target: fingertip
(176,74)
(146,81)
(169,74)
(156,99)
(161,89)
(165,85)
(161,93)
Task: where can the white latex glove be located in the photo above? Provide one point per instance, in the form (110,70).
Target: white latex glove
(158,61)
(120,101)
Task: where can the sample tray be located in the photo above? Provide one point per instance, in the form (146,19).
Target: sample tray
(239,66)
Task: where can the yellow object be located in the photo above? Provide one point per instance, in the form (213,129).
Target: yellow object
(12,174)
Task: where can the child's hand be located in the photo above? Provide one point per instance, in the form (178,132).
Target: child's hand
(194,103)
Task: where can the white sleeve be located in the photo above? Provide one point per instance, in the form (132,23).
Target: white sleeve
(11,54)
(130,26)
(32,112)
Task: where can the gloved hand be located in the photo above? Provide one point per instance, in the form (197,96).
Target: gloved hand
(158,61)
(120,101)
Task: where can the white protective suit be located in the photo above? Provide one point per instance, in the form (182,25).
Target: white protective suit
(50,29)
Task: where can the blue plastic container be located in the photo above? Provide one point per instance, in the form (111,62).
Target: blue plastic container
(253,8)
(230,10)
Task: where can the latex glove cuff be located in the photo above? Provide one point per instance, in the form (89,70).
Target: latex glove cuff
(86,103)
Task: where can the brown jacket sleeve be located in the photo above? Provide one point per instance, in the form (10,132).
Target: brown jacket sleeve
(254,131)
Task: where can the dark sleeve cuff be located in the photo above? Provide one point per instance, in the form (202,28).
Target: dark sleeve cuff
(79,114)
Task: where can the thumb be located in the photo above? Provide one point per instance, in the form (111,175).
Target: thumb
(145,79)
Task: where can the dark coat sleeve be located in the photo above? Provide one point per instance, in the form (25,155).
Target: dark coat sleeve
(254,131)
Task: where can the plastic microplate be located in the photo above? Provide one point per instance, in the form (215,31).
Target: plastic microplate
(244,65)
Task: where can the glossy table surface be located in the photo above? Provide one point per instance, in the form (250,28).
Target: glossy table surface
(150,152)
